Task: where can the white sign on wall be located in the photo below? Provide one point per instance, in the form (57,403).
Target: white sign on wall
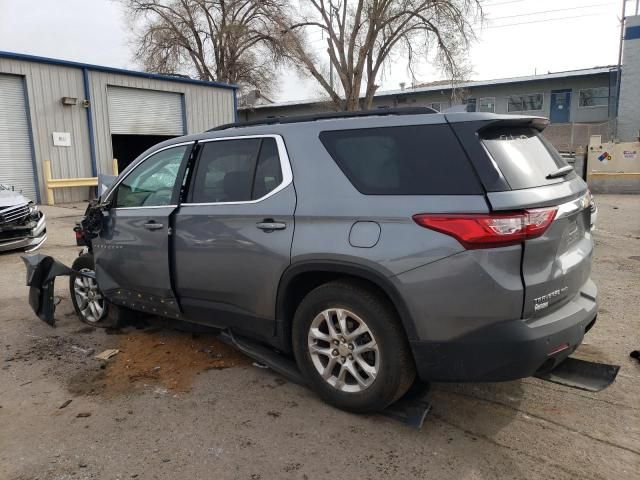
(62,139)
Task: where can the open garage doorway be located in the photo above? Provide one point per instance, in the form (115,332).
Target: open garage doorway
(126,148)
(139,119)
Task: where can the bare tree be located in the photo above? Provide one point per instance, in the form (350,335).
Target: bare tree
(362,36)
(225,40)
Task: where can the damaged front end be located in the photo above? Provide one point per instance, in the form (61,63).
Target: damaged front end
(22,224)
(90,225)
(22,227)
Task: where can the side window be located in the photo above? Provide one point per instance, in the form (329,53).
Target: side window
(151,183)
(268,173)
(408,160)
(236,170)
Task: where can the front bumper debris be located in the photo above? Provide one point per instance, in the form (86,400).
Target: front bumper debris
(29,235)
(42,271)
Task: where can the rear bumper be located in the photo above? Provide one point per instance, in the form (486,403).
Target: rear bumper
(512,349)
(31,240)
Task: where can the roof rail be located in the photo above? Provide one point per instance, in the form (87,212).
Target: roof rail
(328,116)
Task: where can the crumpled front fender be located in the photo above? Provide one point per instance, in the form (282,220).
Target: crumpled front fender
(42,271)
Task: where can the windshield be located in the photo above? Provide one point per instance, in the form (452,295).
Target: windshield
(525,158)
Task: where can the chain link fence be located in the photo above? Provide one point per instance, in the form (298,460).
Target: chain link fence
(566,137)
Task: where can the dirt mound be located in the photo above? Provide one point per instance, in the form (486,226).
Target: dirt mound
(167,358)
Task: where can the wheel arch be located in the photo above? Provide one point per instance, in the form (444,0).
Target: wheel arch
(302,277)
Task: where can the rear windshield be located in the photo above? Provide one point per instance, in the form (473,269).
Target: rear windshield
(524,157)
(408,160)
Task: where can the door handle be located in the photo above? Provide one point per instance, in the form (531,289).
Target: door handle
(269,225)
(153,225)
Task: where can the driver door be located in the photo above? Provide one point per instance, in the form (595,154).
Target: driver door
(132,254)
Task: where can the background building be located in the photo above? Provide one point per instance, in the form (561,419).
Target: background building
(80,117)
(582,97)
(629,107)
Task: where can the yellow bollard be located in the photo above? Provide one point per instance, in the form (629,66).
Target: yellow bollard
(47,180)
(51,183)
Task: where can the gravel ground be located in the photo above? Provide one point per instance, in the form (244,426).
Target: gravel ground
(177,405)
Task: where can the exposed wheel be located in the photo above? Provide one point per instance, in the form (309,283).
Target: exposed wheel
(88,301)
(350,347)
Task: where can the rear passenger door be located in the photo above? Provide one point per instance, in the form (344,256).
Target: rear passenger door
(233,234)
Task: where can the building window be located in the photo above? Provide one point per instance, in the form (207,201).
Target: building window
(487,104)
(471,104)
(437,106)
(594,97)
(529,102)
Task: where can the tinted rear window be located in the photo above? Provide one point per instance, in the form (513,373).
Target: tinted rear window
(408,160)
(524,156)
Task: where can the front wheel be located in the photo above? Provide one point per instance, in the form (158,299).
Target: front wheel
(87,299)
(350,347)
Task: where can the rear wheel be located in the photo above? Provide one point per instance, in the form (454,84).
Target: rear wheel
(87,299)
(350,347)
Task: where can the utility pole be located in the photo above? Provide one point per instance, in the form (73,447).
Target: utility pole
(330,62)
(619,75)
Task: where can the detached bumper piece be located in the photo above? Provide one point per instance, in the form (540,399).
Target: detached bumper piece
(41,273)
(582,374)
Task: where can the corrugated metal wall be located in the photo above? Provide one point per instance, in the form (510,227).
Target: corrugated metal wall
(205,106)
(46,85)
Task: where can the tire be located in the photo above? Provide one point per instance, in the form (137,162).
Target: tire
(110,316)
(371,323)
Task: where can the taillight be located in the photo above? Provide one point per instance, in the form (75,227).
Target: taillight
(489,230)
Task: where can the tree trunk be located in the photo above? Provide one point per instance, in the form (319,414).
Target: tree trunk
(368,97)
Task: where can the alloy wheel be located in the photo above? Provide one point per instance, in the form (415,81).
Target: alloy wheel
(343,350)
(89,299)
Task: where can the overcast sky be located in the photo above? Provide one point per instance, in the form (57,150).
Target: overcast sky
(520,37)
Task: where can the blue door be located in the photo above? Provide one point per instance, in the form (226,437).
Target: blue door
(560,106)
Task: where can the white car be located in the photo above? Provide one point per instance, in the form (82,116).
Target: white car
(22,224)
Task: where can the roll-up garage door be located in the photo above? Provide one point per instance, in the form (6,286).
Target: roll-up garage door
(16,162)
(133,111)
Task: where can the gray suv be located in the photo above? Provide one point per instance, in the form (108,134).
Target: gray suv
(373,247)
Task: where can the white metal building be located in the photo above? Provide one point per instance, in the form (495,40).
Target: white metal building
(629,110)
(81,117)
